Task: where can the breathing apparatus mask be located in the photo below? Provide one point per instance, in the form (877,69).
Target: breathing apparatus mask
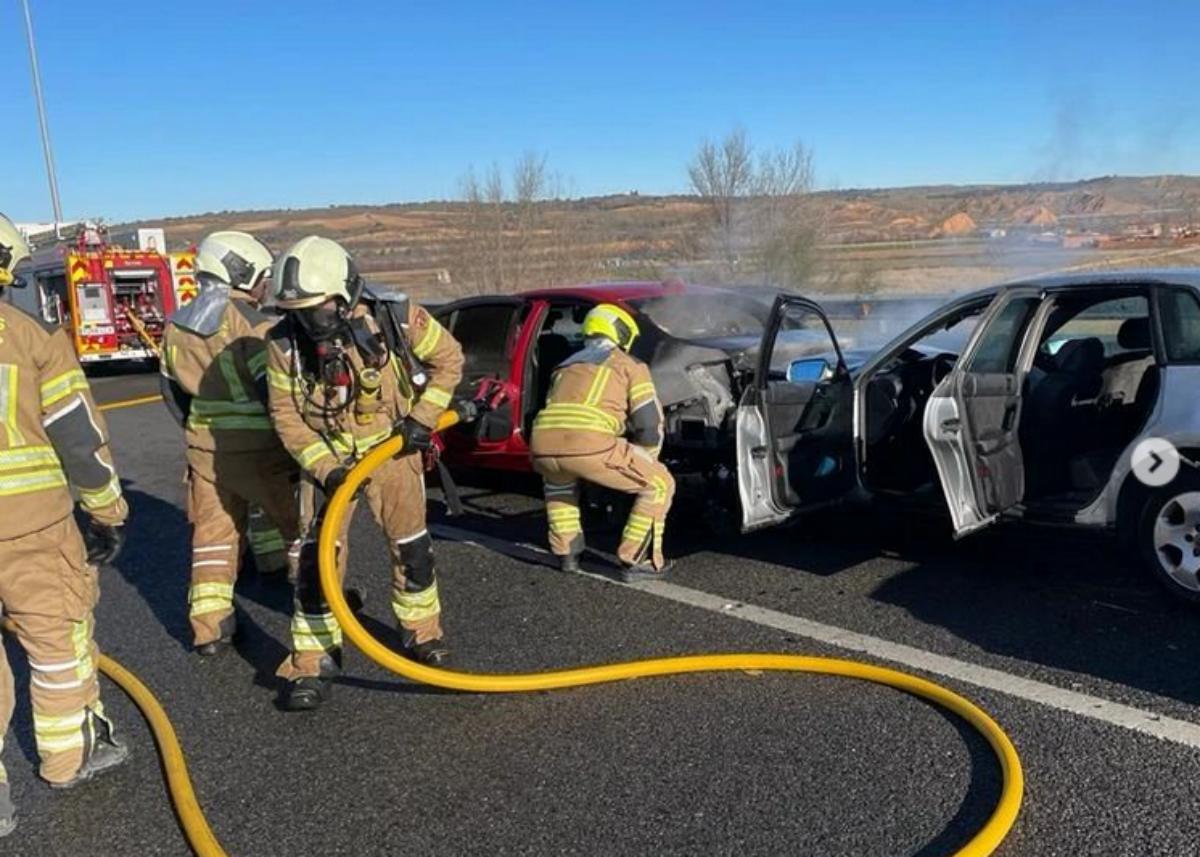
(7,278)
(324,322)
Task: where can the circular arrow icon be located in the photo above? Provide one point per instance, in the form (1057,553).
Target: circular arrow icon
(1155,462)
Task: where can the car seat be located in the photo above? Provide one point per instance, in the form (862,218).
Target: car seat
(552,349)
(1055,417)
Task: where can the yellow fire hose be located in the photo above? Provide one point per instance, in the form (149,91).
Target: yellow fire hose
(204,843)
(984,842)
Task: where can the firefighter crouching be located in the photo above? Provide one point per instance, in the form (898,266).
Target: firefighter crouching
(597,396)
(337,389)
(52,437)
(214,371)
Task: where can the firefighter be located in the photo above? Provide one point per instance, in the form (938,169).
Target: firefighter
(52,438)
(214,381)
(343,378)
(597,396)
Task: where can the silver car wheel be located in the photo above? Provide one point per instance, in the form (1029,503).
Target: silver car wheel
(1177,539)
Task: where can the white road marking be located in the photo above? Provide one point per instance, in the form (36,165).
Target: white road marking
(1061,699)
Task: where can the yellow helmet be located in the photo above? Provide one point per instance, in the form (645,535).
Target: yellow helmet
(611,322)
(13,250)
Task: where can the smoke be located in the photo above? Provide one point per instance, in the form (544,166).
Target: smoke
(1072,146)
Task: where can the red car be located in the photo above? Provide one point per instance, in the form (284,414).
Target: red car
(701,344)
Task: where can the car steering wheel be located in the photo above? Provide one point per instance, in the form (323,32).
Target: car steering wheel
(939,367)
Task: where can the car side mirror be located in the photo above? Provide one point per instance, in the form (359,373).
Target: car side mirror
(809,370)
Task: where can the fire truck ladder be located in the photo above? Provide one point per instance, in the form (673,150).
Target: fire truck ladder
(141,331)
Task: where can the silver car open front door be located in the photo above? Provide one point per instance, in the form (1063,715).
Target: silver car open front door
(972,418)
(795,419)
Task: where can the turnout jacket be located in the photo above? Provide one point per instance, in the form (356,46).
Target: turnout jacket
(53,437)
(214,370)
(326,423)
(597,395)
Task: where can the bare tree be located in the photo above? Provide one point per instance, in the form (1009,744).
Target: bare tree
(757,207)
(529,186)
(784,240)
(513,234)
(723,175)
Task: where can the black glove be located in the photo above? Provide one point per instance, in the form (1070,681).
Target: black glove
(104,543)
(417,437)
(334,480)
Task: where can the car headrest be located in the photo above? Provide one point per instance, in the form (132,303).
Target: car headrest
(1081,356)
(552,349)
(1134,334)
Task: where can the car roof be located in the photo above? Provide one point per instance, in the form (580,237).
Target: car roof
(619,292)
(1088,279)
(1160,277)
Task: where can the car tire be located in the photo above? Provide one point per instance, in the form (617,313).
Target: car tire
(1168,536)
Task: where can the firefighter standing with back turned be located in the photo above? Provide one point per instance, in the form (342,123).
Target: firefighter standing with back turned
(52,437)
(214,372)
(597,396)
(338,387)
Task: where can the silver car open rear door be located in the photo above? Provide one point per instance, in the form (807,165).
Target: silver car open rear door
(972,418)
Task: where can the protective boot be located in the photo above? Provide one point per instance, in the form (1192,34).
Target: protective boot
(305,694)
(8,813)
(644,570)
(308,693)
(569,564)
(101,752)
(223,642)
(432,653)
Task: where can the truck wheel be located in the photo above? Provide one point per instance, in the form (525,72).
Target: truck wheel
(1168,536)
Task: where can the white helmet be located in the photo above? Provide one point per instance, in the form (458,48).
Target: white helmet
(312,271)
(237,259)
(13,250)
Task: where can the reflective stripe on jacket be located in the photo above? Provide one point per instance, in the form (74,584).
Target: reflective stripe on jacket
(596,395)
(300,403)
(52,436)
(223,377)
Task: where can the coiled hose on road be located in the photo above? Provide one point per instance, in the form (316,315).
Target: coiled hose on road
(205,844)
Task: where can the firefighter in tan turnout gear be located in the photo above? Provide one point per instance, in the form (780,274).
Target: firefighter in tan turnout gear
(597,397)
(52,438)
(214,381)
(344,376)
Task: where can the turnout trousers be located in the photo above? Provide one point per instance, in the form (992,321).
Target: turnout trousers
(49,591)
(396,496)
(222,490)
(625,467)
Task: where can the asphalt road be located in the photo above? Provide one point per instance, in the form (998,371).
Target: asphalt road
(731,764)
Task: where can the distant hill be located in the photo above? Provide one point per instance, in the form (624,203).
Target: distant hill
(423,244)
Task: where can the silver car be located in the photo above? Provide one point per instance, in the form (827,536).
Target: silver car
(1025,400)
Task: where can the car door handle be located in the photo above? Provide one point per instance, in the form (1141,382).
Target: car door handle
(759,452)
(951,425)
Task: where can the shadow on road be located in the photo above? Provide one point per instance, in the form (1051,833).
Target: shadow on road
(157,558)
(986,782)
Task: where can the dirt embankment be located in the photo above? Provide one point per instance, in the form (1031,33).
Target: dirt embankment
(439,247)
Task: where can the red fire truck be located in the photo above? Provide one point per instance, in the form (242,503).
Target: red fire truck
(114,301)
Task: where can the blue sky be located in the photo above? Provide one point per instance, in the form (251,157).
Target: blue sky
(180,107)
